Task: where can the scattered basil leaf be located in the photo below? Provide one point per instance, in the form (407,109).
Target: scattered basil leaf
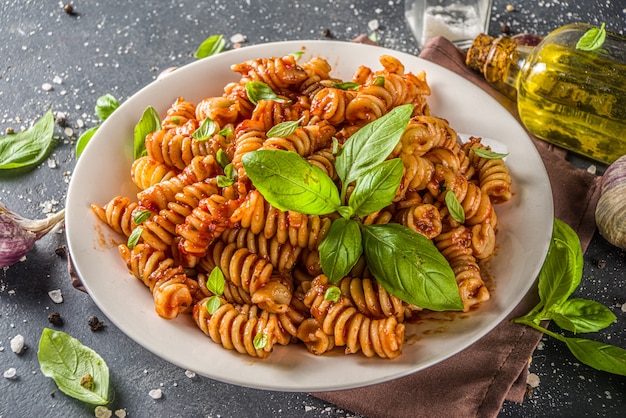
(222,158)
(410,267)
(215,282)
(346,85)
(454,207)
(105,106)
(258,90)
(67,361)
(84,139)
(333,294)
(598,355)
(141,216)
(373,37)
(289,182)
(341,249)
(212,304)
(379,81)
(149,122)
(377,187)
(372,144)
(592,39)
(134,236)
(28,148)
(210,46)
(284,129)
(205,131)
(488,154)
(260,341)
(229,176)
(581,315)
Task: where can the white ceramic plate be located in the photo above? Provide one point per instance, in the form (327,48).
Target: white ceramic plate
(102,172)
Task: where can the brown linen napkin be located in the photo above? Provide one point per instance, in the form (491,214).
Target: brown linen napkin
(475,382)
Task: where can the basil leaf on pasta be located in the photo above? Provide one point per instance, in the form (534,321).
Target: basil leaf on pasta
(149,122)
(341,249)
(377,187)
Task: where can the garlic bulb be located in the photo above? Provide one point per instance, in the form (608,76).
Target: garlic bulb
(18,234)
(611,208)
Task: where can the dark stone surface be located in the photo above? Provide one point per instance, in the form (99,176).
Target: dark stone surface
(118,47)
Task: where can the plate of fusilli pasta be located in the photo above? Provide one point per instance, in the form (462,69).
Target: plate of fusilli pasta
(184,251)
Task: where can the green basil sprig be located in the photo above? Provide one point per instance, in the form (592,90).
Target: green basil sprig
(210,46)
(405,263)
(592,39)
(77,370)
(28,148)
(205,131)
(258,90)
(105,106)
(149,122)
(560,276)
(215,283)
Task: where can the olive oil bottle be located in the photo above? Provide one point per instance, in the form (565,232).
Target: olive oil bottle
(570,97)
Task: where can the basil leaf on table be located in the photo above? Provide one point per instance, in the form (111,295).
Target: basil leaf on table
(372,144)
(341,248)
(77,370)
(289,182)
(410,267)
(27,148)
(105,106)
(598,355)
(377,187)
(581,315)
(149,122)
(210,46)
(84,139)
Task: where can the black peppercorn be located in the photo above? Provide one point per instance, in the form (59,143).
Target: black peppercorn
(55,318)
(69,9)
(94,323)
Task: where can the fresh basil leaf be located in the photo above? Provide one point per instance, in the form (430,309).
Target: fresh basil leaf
(454,207)
(284,129)
(134,236)
(372,144)
(289,182)
(210,46)
(149,122)
(215,282)
(333,294)
(258,90)
(105,105)
(84,139)
(205,131)
(592,39)
(340,250)
(409,266)
(488,154)
(66,360)
(561,272)
(27,148)
(600,356)
(212,304)
(581,315)
(345,211)
(379,81)
(260,340)
(222,158)
(346,85)
(297,54)
(377,187)
(141,216)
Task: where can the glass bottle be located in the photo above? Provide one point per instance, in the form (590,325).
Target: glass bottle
(572,98)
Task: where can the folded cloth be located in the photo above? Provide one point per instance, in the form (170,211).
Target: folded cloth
(476,381)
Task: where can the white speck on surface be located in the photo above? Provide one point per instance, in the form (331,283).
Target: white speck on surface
(373,24)
(624,307)
(52,163)
(308,408)
(56,296)
(532,380)
(57,80)
(237,38)
(68,131)
(46,86)
(156,393)
(592,169)
(17,344)
(190,374)
(10,373)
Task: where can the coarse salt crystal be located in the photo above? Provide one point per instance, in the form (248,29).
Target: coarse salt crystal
(102,412)
(57,80)
(17,344)
(46,86)
(190,374)
(68,131)
(237,38)
(155,393)
(52,163)
(532,380)
(373,24)
(10,373)
(120,413)
(56,296)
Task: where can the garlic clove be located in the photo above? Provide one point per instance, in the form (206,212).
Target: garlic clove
(611,208)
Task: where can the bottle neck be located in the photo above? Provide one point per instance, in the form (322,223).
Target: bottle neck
(499,60)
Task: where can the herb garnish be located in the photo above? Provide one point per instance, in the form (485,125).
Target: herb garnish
(105,106)
(77,370)
(210,46)
(592,39)
(27,148)
(258,90)
(405,263)
(215,284)
(559,277)
(149,122)
(205,131)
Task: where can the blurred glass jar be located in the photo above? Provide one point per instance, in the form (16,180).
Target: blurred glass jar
(460,21)
(567,96)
